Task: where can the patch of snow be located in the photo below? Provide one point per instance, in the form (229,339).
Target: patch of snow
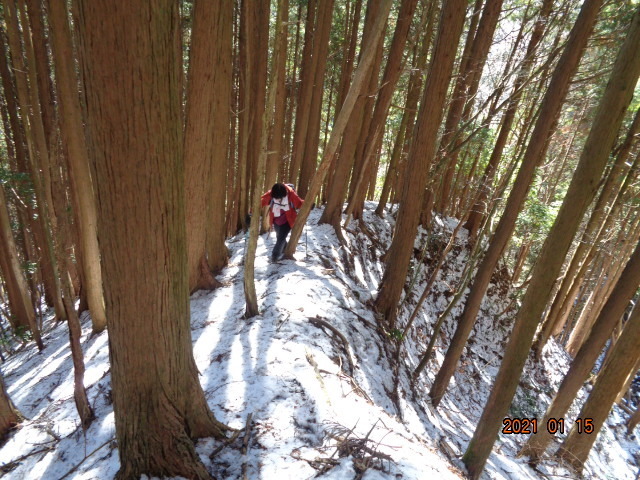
(320,408)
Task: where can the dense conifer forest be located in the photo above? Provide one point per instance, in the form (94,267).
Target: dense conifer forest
(469,237)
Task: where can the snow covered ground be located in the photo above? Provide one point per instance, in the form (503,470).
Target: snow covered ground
(316,376)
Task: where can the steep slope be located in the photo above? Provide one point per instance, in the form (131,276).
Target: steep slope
(313,376)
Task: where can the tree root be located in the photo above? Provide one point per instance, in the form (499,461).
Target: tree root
(318,322)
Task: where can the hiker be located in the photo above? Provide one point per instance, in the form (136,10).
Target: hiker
(283,202)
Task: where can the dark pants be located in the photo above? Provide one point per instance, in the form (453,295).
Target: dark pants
(281,240)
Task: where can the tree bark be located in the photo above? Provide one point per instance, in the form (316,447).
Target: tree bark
(251,244)
(305,93)
(35,139)
(277,149)
(65,264)
(344,162)
(393,176)
(73,136)
(9,414)
(43,71)
(359,79)
(258,35)
(388,84)
(366,113)
(633,421)
(292,87)
(611,270)
(575,448)
(233,160)
(582,190)
(320,51)
(423,148)
(346,71)
(29,104)
(132,81)
(22,309)
(216,250)
(611,192)
(27,216)
(468,87)
(206,135)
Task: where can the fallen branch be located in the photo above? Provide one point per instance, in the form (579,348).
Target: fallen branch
(357,388)
(83,460)
(225,444)
(323,465)
(318,322)
(245,444)
(7,467)
(364,456)
(247,434)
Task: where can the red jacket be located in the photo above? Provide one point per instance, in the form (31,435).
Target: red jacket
(294,202)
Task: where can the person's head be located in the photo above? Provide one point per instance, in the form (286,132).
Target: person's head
(278,191)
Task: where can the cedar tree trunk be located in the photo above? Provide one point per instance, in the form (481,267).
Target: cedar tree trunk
(73,136)
(132,79)
(423,148)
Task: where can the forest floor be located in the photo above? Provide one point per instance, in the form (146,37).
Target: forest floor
(315,376)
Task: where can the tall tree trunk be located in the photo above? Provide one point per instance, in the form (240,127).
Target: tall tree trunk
(473,69)
(580,368)
(233,160)
(363,126)
(610,271)
(27,94)
(276,140)
(41,137)
(390,78)
(423,148)
(320,51)
(478,210)
(43,70)
(206,135)
(586,247)
(344,161)
(216,250)
(536,149)
(251,244)
(17,290)
(65,264)
(292,86)
(72,130)
(346,71)
(10,95)
(364,123)
(259,51)
(360,77)
(582,190)
(15,132)
(131,71)
(575,448)
(409,113)
(305,93)
(245,73)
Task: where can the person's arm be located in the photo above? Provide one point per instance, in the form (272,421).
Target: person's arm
(265,199)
